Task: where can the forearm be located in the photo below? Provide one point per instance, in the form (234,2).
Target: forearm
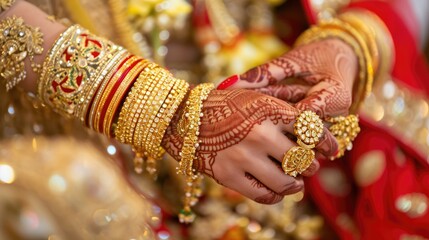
(34,17)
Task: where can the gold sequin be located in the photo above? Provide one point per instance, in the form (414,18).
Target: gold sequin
(413,204)
(369,168)
(334,181)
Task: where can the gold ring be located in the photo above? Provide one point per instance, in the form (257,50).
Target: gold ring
(345,130)
(308,129)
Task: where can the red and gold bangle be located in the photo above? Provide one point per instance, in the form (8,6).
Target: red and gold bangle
(90,114)
(119,95)
(105,92)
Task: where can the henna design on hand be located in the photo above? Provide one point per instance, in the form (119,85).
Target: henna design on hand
(270,197)
(329,66)
(288,93)
(228,117)
(258,74)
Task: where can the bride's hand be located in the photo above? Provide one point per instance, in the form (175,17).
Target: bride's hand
(326,68)
(242,143)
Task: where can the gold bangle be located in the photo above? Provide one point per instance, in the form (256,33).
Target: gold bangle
(161,122)
(188,127)
(367,34)
(5,5)
(18,41)
(76,59)
(132,106)
(382,38)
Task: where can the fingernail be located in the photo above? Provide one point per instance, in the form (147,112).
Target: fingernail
(228,82)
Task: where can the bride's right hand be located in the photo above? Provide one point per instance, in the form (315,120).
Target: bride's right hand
(242,143)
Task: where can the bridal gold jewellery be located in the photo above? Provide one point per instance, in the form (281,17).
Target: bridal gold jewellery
(308,129)
(18,41)
(5,5)
(188,128)
(345,130)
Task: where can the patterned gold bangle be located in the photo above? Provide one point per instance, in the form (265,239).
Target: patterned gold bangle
(149,113)
(188,127)
(17,41)
(129,118)
(166,112)
(76,59)
(161,122)
(5,5)
(133,105)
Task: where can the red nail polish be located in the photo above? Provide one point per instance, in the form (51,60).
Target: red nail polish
(228,82)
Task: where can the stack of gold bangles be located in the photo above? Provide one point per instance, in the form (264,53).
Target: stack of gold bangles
(124,96)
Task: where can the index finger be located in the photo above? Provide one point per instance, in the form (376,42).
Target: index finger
(263,75)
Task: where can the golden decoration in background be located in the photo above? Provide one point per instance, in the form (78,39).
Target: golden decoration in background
(18,41)
(5,5)
(64,197)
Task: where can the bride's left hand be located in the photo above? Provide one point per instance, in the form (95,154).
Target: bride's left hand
(327,69)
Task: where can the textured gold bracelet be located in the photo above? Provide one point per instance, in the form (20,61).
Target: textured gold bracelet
(5,5)
(161,122)
(133,116)
(77,59)
(18,41)
(133,105)
(188,127)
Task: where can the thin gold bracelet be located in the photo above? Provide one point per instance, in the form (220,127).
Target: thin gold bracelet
(188,127)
